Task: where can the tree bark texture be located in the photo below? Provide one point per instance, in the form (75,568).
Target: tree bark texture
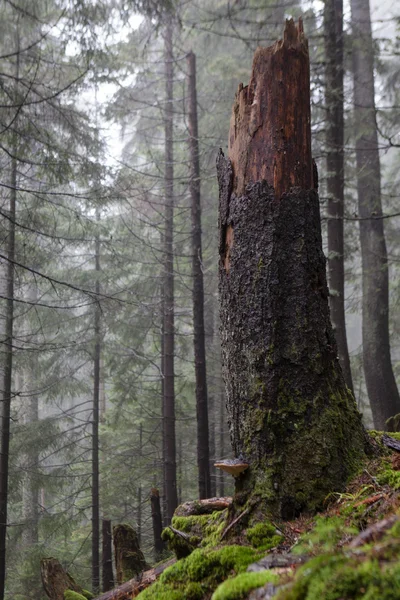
(95,427)
(333,30)
(169,308)
(157,523)
(8,355)
(107,567)
(56,580)
(203,458)
(381,384)
(290,414)
(129,559)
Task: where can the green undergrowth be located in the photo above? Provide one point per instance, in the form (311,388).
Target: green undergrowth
(198,575)
(70,595)
(263,536)
(338,576)
(334,569)
(238,587)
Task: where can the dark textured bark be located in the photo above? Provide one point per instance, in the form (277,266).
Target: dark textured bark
(333,29)
(8,361)
(169,328)
(381,384)
(95,431)
(162,367)
(107,567)
(129,559)
(290,413)
(157,523)
(198,288)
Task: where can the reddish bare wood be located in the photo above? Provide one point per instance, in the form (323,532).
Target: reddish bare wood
(278,92)
(203,507)
(133,587)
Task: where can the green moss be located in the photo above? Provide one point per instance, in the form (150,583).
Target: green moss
(204,530)
(324,536)
(159,591)
(335,577)
(194,591)
(238,587)
(87,594)
(263,536)
(199,574)
(387,476)
(70,595)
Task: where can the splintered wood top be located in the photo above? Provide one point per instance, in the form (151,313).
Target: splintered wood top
(270,130)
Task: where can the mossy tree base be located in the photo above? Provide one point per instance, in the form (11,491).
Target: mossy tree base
(290,413)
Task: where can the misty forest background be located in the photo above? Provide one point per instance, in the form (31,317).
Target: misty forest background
(96,258)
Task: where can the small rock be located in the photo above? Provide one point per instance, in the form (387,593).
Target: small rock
(265,593)
(273,561)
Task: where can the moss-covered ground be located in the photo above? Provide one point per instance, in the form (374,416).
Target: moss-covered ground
(340,563)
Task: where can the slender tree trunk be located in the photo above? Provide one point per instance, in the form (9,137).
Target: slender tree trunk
(30,492)
(95,429)
(139,492)
(198,288)
(291,415)
(8,360)
(157,523)
(381,384)
(221,482)
(333,26)
(107,567)
(162,369)
(169,327)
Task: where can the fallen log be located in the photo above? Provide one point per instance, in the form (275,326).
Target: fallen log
(390,442)
(374,533)
(202,507)
(131,589)
(56,580)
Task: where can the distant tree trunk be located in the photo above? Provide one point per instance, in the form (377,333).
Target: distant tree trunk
(8,356)
(211,432)
(162,378)
(30,492)
(95,427)
(139,492)
(381,384)
(203,458)
(221,486)
(157,523)
(333,28)
(291,415)
(107,567)
(169,327)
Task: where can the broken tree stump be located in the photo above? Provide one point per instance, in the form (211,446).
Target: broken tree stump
(106,559)
(129,559)
(157,523)
(56,580)
(291,417)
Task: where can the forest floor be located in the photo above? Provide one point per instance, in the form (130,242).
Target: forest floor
(350,550)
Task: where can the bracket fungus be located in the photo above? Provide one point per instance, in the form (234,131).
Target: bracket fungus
(234,466)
